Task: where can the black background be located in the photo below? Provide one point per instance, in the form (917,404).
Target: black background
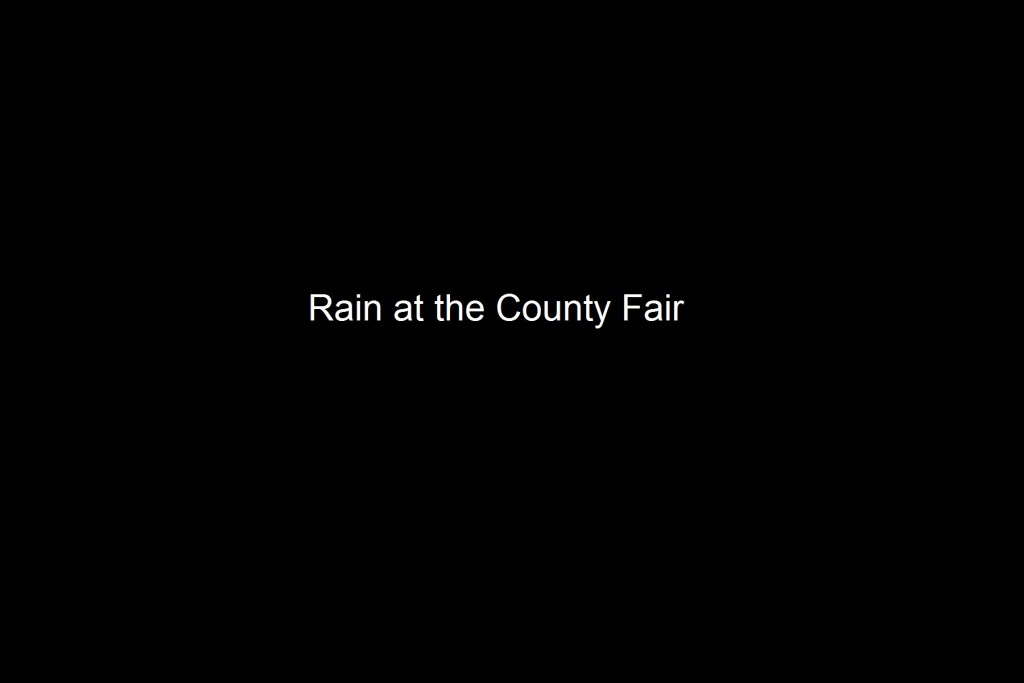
(392,465)
(644,484)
